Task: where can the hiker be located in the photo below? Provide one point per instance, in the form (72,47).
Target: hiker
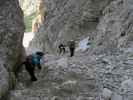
(88,42)
(71,45)
(61,48)
(31,62)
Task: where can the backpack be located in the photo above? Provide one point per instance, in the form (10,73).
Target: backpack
(33,59)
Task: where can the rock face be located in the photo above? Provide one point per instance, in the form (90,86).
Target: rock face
(114,72)
(115,27)
(68,19)
(11,33)
(108,62)
(109,22)
(114,47)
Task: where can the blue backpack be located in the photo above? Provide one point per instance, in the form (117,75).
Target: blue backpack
(35,59)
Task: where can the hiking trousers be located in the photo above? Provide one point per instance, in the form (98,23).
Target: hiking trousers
(72,50)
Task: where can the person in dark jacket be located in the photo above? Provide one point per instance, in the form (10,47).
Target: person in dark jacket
(61,48)
(31,62)
(71,45)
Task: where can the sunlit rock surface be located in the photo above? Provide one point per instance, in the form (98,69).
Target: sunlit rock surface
(28,6)
(27,38)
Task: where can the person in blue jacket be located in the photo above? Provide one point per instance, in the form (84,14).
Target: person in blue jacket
(31,62)
(35,59)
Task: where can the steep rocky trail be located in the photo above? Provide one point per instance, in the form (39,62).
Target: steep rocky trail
(114,74)
(61,78)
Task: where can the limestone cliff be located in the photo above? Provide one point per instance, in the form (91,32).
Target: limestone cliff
(11,33)
(115,29)
(109,22)
(68,19)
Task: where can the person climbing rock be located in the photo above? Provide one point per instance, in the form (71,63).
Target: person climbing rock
(61,48)
(71,45)
(31,62)
(36,59)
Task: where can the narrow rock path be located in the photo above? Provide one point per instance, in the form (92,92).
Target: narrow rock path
(61,78)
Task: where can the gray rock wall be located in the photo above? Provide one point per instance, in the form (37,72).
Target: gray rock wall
(11,33)
(68,19)
(109,22)
(116,25)
(114,39)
